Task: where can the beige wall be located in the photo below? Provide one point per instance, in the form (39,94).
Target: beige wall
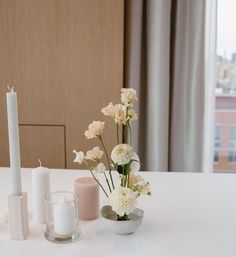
(65,59)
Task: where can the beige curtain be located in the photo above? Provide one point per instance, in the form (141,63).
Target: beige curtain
(167,54)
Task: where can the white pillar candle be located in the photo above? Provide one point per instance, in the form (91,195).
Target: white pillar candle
(40,188)
(64,217)
(14,146)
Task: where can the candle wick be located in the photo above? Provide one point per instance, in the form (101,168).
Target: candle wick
(10,89)
(40,163)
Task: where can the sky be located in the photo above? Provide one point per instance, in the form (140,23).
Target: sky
(226,27)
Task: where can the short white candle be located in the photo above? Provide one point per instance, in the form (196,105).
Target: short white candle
(14,146)
(64,217)
(40,188)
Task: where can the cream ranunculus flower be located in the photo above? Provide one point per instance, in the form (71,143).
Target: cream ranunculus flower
(117,112)
(122,200)
(135,164)
(122,154)
(128,96)
(135,179)
(94,155)
(100,168)
(120,114)
(145,188)
(132,115)
(79,157)
(109,110)
(139,185)
(95,129)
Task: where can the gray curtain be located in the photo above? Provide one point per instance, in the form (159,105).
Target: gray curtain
(169,45)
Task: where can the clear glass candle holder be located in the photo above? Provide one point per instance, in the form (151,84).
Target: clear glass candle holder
(62,217)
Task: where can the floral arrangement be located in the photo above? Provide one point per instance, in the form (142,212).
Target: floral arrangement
(123,159)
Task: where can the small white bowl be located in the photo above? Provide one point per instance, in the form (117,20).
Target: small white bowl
(123,227)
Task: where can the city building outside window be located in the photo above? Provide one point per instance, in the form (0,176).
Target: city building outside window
(225,90)
(217,143)
(232,145)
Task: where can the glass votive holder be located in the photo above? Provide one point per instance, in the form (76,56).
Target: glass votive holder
(62,217)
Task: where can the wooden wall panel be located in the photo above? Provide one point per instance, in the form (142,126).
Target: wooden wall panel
(46,143)
(65,59)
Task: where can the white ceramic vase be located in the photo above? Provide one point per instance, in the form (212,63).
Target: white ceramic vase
(123,227)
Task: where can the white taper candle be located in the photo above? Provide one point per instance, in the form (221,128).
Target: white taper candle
(14,146)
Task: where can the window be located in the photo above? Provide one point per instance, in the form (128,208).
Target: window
(232,145)
(225,90)
(217,143)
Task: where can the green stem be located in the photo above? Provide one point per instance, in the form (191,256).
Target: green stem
(99,183)
(111,180)
(107,182)
(108,161)
(123,176)
(130,134)
(126,127)
(125,180)
(117,133)
(123,134)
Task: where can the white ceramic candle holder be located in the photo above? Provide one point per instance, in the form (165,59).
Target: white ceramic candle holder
(62,217)
(18,216)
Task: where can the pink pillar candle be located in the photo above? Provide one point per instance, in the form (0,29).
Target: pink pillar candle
(87,190)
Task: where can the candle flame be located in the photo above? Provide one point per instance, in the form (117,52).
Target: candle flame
(40,163)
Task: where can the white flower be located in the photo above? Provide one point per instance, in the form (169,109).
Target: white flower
(135,163)
(95,129)
(122,154)
(109,110)
(139,185)
(145,187)
(117,112)
(135,179)
(120,114)
(128,96)
(79,157)
(122,200)
(95,154)
(100,168)
(132,115)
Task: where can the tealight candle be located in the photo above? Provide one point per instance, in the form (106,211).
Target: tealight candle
(64,217)
(40,188)
(87,190)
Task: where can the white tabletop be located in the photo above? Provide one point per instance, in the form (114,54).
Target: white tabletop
(187,215)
